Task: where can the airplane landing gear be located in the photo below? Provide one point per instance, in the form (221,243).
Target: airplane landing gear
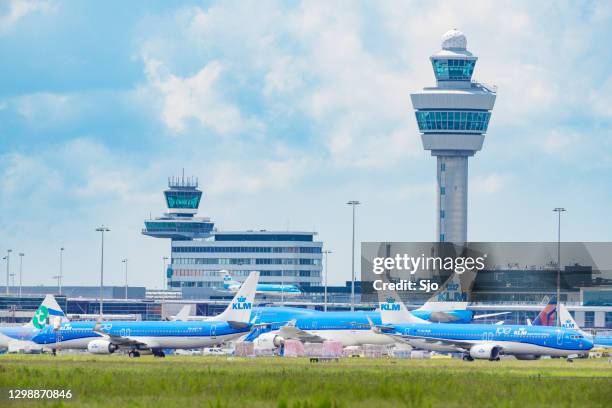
(133,353)
(159,353)
(467,357)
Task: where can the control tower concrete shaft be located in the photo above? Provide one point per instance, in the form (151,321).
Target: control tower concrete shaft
(453,118)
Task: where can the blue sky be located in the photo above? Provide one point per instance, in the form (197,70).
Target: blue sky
(286,110)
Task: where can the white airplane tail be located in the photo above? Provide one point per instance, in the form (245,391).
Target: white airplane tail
(452,295)
(239,309)
(567,321)
(183,314)
(49,312)
(229,282)
(393,310)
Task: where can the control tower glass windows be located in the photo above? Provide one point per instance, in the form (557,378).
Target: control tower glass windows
(183,199)
(453,69)
(466,121)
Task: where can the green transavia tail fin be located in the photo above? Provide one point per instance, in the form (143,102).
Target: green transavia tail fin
(47,313)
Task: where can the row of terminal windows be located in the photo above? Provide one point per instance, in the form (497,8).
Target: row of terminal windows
(245,261)
(453,69)
(263,237)
(217,285)
(198,272)
(453,120)
(274,250)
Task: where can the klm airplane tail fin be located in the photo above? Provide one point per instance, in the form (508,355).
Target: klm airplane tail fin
(567,321)
(229,282)
(393,310)
(239,309)
(49,312)
(453,294)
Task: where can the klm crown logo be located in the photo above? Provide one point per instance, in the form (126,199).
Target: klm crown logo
(241,304)
(452,286)
(568,324)
(390,305)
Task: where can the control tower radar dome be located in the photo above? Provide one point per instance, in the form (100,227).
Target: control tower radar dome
(453,40)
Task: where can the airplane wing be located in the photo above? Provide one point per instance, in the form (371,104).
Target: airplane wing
(289,331)
(122,341)
(484,316)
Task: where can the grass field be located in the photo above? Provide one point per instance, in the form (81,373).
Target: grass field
(182,381)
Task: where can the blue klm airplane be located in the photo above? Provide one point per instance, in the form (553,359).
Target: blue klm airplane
(477,341)
(152,337)
(263,288)
(352,328)
(568,322)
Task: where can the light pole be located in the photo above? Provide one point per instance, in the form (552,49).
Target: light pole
(559,210)
(61,271)
(13,279)
(8,260)
(57,277)
(326,252)
(165,283)
(102,229)
(125,261)
(21,255)
(353,203)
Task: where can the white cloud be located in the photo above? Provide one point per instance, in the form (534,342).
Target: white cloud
(14,10)
(560,141)
(254,176)
(194,97)
(491,183)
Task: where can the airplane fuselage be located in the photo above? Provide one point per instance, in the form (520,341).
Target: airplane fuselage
(512,339)
(155,334)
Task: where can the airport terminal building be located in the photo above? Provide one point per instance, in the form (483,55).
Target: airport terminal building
(200,253)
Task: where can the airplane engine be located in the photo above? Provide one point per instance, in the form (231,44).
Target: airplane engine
(101,347)
(269,341)
(485,351)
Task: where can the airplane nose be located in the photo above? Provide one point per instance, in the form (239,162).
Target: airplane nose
(588,343)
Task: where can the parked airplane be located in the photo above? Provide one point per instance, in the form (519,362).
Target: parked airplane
(151,337)
(352,328)
(448,304)
(263,288)
(19,338)
(568,322)
(477,341)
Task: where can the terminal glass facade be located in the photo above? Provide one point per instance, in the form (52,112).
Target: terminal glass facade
(280,257)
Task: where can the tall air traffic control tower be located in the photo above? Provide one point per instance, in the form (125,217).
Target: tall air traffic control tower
(453,118)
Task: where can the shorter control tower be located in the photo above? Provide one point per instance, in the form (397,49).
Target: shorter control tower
(453,118)
(180,223)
